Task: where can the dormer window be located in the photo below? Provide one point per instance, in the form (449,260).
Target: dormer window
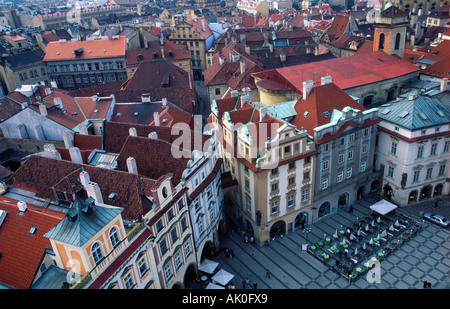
(114,237)
(96,253)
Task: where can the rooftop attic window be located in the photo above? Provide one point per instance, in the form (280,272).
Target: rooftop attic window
(327,114)
(33,230)
(79,51)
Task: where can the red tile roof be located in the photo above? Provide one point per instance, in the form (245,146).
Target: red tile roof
(197,23)
(346,72)
(56,51)
(154,48)
(324,98)
(21,253)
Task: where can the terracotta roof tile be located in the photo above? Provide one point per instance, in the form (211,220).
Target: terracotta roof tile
(56,51)
(21,252)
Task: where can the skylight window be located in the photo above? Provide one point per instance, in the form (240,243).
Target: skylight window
(305,114)
(326,113)
(423,116)
(386,111)
(440,113)
(404,114)
(33,230)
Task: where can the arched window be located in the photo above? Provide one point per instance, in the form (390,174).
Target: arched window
(97,253)
(114,237)
(381,43)
(397,41)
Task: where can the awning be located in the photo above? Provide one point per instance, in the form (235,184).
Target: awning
(208,266)
(212,286)
(383,207)
(222,277)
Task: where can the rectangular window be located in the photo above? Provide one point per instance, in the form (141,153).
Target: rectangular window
(290,201)
(350,154)
(291,181)
(187,249)
(390,172)
(163,247)
(351,138)
(326,147)
(306,176)
(349,173)
(168,272)
(364,148)
(128,280)
(363,166)
(340,176)
(305,195)
(178,261)
(296,147)
(174,235)
(342,141)
(433,149)
(307,160)
(159,226)
(394,148)
(324,183)
(341,158)
(275,187)
(416,176)
(442,170)
(366,132)
(217,91)
(287,149)
(420,152)
(292,165)
(274,171)
(429,172)
(325,165)
(143,268)
(446,146)
(274,207)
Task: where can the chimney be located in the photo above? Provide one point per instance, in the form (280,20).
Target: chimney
(48,91)
(93,190)
(203,25)
(164,102)
(325,80)
(68,138)
(85,179)
(82,128)
(271,48)
(282,57)
(58,102)
(221,60)
(22,206)
(234,93)
(51,152)
(132,131)
(266,38)
(247,49)
(242,66)
(132,166)
(445,85)
(242,39)
(156,119)
(43,110)
(153,135)
(307,87)
(75,155)
(53,84)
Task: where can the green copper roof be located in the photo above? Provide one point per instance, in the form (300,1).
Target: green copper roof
(417,111)
(83,221)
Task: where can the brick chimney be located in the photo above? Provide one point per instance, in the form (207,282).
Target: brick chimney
(132,131)
(85,179)
(325,80)
(156,119)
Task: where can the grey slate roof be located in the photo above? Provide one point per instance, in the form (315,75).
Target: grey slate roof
(420,112)
(83,221)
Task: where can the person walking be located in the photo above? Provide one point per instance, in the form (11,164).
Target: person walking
(267,273)
(435,204)
(243,283)
(255,285)
(351,209)
(247,283)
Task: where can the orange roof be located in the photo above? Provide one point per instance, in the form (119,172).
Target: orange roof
(92,49)
(22,252)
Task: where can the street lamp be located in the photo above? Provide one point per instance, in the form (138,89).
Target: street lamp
(307,231)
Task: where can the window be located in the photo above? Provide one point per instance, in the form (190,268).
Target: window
(178,261)
(349,172)
(143,267)
(275,187)
(217,91)
(325,165)
(187,249)
(381,42)
(249,205)
(416,176)
(363,166)
(287,149)
(390,172)
(128,280)
(200,226)
(274,207)
(324,183)
(159,226)
(306,176)
(305,195)
(394,148)
(292,165)
(291,181)
(433,149)
(163,247)
(342,141)
(307,160)
(350,154)
(170,215)
(197,206)
(366,132)
(168,272)
(290,200)
(351,138)
(183,225)
(114,237)
(397,41)
(173,235)
(274,171)
(442,170)
(180,204)
(429,172)
(96,253)
(296,147)
(364,148)
(446,146)
(326,147)
(340,176)
(341,158)
(420,152)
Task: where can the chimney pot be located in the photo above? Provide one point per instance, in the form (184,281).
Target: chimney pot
(156,119)
(132,166)
(93,190)
(132,132)
(307,87)
(22,206)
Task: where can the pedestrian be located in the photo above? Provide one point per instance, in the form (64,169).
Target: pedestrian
(247,282)
(435,204)
(267,273)
(351,209)
(303,224)
(425,284)
(243,283)
(255,285)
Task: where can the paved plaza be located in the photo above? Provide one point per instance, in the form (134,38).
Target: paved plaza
(424,257)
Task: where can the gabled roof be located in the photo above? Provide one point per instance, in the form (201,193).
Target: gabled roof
(318,107)
(105,48)
(25,59)
(83,221)
(171,52)
(196,22)
(21,253)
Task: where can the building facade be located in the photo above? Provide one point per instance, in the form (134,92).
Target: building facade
(79,64)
